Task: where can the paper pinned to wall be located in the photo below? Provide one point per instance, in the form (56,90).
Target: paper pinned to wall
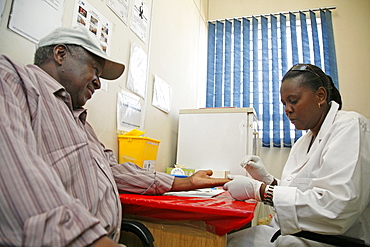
(128,111)
(137,73)
(85,15)
(139,19)
(162,95)
(35,19)
(120,8)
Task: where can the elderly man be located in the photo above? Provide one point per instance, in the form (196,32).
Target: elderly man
(58,184)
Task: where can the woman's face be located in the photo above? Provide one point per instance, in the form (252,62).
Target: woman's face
(301,104)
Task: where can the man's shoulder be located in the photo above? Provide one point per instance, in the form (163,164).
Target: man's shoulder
(5,59)
(13,71)
(8,65)
(16,75)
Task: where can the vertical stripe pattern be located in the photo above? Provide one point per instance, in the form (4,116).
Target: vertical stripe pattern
(248,66)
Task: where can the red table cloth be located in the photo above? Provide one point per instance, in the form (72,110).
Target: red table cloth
(222,212)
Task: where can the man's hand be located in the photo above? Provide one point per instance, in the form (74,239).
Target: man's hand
(200,179)
(105,242)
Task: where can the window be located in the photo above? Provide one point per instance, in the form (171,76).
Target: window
(247,59)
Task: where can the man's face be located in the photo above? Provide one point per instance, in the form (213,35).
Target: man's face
(79,74)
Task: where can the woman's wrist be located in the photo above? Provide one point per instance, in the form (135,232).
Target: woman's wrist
(268,195)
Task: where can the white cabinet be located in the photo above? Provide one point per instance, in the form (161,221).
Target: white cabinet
(216,138)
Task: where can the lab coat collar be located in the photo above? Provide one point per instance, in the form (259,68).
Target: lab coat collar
(325,127)
(328,121)
(301,158)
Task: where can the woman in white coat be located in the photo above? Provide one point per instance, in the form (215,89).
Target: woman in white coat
(325,184)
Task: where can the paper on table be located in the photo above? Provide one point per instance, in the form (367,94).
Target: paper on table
(197,193)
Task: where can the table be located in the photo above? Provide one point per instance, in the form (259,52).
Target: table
(197,221)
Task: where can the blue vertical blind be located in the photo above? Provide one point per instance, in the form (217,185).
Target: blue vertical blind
(247,58)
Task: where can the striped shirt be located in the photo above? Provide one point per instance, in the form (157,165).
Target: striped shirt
(58,184)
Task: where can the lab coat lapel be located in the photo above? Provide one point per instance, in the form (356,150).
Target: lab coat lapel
(301,156)
(328,121)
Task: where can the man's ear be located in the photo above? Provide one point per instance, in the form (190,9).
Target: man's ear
(321,95)
(60,52)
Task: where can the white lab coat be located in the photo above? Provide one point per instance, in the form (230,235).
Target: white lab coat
(325,190)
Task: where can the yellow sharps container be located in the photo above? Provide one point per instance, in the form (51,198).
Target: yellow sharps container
(140,150)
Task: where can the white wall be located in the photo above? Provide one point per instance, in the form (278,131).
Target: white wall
(177,55)
(176,49)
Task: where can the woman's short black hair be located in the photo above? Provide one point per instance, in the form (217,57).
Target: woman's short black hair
(313,77)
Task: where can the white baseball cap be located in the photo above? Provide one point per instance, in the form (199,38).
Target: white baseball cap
(82,37)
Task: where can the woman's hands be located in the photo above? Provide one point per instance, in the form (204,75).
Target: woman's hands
(254,166)
(244,188)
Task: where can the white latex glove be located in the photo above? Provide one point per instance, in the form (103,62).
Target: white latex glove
(243,188)
(254,166)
